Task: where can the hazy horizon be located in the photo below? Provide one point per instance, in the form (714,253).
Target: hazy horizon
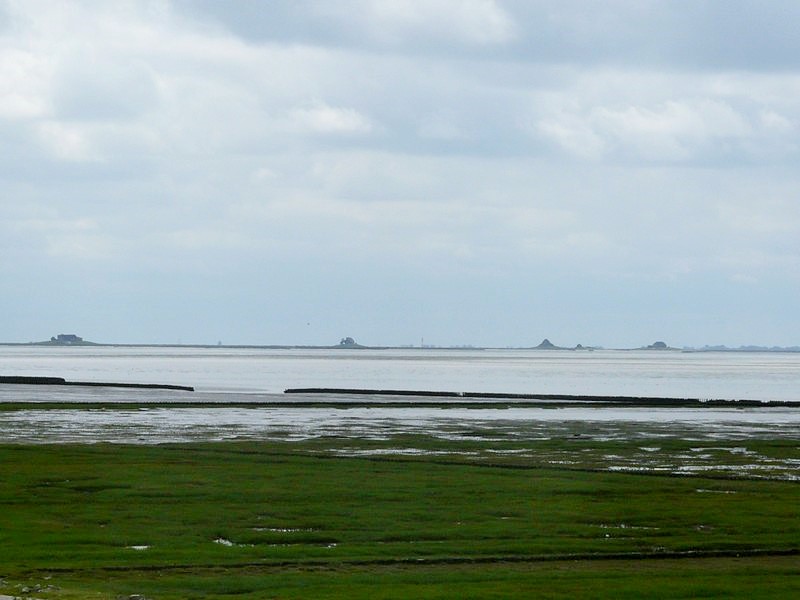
(470,172)
(421,344)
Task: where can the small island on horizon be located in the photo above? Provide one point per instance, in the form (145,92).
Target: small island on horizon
(66,339)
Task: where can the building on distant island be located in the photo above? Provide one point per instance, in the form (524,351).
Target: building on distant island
(348,342)
(657,346)
(66,338)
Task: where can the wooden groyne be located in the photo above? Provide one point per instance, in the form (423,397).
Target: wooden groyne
(25,380)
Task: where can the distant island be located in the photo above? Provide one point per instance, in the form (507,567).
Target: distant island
(547,345)
(66,339)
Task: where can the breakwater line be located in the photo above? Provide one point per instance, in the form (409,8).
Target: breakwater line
(569,398)
(25,380)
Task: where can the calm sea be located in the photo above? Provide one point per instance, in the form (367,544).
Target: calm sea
(758,376)
(258,377)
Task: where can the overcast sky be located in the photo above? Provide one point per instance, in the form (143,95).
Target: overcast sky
(468,171)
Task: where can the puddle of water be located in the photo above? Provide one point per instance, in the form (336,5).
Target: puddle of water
(625,526)
(740,451)
(731,449)
(399,451)
(283,529)
(290,544)
(637,468)
(223,542)
(230,544)
(701,468)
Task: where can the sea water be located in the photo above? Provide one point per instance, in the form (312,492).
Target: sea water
(221,371)
(259,376)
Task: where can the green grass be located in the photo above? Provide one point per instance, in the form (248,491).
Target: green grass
(309,524)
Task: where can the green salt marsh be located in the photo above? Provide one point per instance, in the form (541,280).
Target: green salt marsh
(330,518)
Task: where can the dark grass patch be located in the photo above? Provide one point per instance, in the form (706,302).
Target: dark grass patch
(749,577)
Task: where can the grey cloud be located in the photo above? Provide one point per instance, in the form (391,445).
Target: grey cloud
(727,34)
(735,34)
(362,23)
(718,34)
(495,105)
(101,88)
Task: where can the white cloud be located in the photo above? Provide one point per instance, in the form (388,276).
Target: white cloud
(324,119)
(573,134)
(67,141)
(775,121)
(24,77)
(671,129)
(675,129)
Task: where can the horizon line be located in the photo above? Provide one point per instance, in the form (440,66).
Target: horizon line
(545,345)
